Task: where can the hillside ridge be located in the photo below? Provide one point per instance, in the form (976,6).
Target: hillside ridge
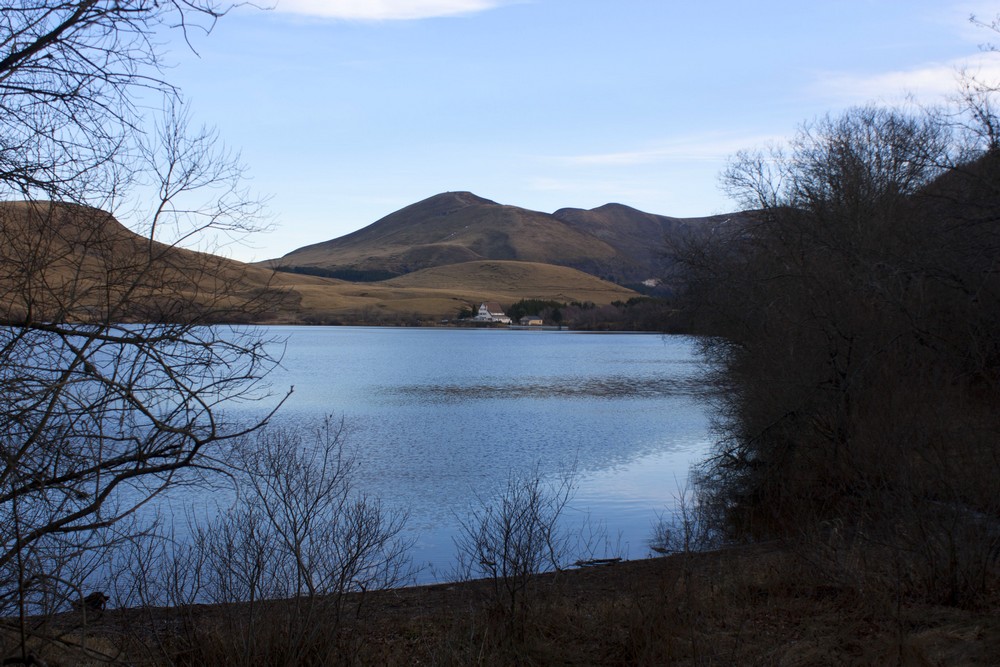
(65,262)
(614,242)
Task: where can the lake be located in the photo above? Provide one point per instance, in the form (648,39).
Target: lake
(438,417)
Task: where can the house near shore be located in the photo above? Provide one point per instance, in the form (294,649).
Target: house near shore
(491,311)
(531,321)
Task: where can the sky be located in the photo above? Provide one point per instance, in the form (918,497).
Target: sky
(347,110)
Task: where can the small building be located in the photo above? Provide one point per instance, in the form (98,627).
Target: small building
(491,311)
(531,321)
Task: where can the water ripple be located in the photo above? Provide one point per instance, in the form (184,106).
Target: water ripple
(608,387)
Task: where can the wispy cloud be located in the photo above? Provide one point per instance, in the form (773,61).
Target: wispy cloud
(927,84)
(703,148)
(385,10)
(605,190)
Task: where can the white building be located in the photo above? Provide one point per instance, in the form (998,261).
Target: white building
(490,311)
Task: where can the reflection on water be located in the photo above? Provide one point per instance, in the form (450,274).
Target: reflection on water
(437,417)
(617,387)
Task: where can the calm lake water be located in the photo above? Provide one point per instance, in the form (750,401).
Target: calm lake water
(437,417)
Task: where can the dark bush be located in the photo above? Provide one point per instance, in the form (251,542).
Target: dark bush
(856,323)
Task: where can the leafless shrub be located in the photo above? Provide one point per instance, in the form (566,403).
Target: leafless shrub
(512,536)
(856,314)
(685,528)
(287,566)
(110,382)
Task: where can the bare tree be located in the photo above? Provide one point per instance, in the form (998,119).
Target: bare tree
(112,386)
(512,536)
(855,317)
(71,73)
(299,549)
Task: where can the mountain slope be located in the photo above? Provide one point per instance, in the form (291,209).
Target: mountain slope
(451,228)
(506,281)
(65,262)
(440,292)
(644,238)
(614,241)
(69,263)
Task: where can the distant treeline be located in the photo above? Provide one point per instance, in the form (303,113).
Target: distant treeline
(350,275)
(639,313)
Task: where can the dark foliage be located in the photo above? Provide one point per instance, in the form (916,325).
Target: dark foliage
(857,342)
(532,307)
(350,275)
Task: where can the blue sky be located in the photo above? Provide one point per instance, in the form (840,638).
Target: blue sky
(347,110)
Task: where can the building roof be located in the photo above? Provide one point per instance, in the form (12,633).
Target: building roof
(493,307)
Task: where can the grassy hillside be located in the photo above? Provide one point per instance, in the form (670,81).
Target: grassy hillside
(646,239)
(503,281)
(63,262)
(452,228)
(613,242)
(71,263)
(442,291)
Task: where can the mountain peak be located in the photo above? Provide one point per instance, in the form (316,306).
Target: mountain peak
(614,206)
(446,202)
(465,196)
(614,241)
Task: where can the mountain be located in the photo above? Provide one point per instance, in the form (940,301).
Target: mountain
(614,242)
(510,281)
(62,262)
(644,238)
(451,228)
(427,261)
(65,262)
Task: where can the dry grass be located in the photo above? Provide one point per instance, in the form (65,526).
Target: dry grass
(79,254)
(456,227)
(760,605)
(440,292)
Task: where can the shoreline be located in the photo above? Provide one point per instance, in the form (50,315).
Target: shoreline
(748,604)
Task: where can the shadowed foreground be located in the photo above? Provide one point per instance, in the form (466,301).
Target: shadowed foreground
(764,605)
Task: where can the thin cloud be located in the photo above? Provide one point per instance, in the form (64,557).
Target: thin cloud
(385,10)
(691,149)
(600,189)
(927,84)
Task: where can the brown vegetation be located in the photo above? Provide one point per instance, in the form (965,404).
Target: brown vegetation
(66,263)
(440,293)
(856,340)
(761,605)
(613,242)
(71,263)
